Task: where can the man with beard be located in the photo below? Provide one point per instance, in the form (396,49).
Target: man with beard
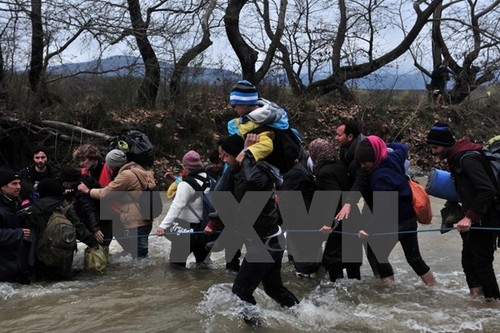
(37,171)
(472,177)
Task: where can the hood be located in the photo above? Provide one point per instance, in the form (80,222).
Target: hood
(379,148)
(461,146)
(48,204)
(270,114)
(396,157)
(146,177)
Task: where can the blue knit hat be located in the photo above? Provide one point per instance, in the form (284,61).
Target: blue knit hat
(441,135)
(243,93)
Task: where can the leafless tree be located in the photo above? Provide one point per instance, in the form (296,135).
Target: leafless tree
(241,40)
(465,34)
(350,43)
(191,53)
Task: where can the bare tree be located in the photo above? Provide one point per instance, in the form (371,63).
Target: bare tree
(190,54)
(148,90)
(465,34)
(349,40)
(240,42)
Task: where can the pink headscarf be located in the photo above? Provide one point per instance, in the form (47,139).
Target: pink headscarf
(379,148)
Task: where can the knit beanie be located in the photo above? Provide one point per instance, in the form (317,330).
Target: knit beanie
(116,158)
(70,174)
(321,150)
(192,160)
(233,144)
(441,135)
(243,93)
(7,175)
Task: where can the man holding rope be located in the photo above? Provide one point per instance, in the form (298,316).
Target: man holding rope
(472,177)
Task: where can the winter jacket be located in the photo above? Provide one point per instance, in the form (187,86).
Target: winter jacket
(43,209)
(299,178)
(186,206)
(389,175)
(30,176)
(13,250)
(473,180)
(85,207)
(131,178)
(268,114)
(257,176)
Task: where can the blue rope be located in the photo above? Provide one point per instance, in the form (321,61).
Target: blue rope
(319,231)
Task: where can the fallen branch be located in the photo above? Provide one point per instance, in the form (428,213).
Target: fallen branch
(74,128)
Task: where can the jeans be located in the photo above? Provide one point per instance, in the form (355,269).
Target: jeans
(135,240)
(252,273)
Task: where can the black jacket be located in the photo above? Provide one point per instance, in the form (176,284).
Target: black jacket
(86,208)
(473,180)
(256,176)
(299,178)
(332,176)
(14,250)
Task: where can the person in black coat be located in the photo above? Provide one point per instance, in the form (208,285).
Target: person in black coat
(300,178)
(86,208)
(248,177)
(14,235)
(51,198)
(331,175)
(472,177)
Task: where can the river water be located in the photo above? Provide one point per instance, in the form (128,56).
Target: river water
(149,296)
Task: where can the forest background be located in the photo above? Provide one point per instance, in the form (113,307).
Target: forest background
(308,56)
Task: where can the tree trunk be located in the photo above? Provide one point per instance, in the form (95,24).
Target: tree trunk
(246,54)
(190,54)
(36,61)
(148,90)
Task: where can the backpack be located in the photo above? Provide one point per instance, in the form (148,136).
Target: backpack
(58,240)
(136,145)
(286,147)
(421,203)
(492,153)
(208,208)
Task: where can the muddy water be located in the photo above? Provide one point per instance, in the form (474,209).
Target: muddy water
(149,296)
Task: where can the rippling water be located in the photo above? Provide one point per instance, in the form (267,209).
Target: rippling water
(149,296)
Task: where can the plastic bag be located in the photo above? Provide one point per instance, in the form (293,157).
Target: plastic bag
(95,259)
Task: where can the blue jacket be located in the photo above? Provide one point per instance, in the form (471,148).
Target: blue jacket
(389,175)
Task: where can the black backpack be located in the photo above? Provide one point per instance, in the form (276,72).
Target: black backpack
(136,145)
(492,154)
(286,147)
(208,182)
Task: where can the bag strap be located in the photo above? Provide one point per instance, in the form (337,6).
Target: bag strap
(191,180)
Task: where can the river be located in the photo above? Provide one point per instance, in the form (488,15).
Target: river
(149,296)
